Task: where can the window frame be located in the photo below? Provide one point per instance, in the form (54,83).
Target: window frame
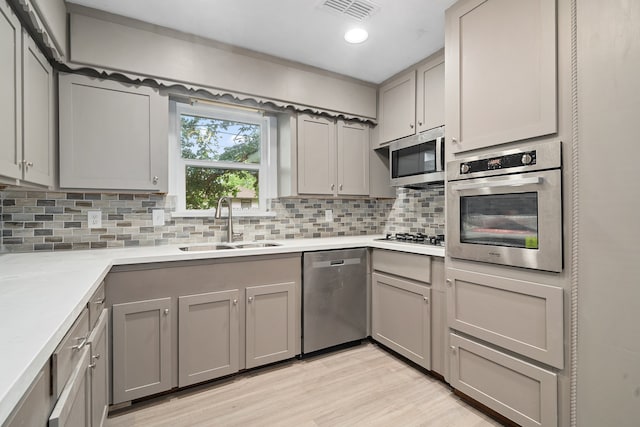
(267,171)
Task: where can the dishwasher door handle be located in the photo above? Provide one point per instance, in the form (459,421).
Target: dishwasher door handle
(336,263)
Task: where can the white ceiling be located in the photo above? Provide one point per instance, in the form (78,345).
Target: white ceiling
(401,32)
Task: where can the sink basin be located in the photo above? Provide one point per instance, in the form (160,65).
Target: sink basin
(199,248)
(256,245)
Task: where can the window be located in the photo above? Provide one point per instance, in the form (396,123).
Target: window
(219,152)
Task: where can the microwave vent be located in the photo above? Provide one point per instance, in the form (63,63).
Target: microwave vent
(360,10)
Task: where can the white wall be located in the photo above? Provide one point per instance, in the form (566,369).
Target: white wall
(609,215)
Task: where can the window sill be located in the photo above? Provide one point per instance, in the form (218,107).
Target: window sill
(212,213)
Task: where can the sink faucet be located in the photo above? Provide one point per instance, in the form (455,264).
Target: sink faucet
(230,233)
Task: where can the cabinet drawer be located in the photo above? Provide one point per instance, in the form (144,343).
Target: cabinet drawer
(518,390)
(524,317)
(72,408)
(411,266)
(69,352)
(96,305)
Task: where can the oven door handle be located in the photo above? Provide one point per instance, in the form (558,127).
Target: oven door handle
(511,182)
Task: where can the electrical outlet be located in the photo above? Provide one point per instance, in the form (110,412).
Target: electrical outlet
(328,215)
(158,216)
(94,218)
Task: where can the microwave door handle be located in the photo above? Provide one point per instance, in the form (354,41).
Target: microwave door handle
(513,182)
(439,141)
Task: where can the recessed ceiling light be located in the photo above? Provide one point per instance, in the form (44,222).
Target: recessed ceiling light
(356,35)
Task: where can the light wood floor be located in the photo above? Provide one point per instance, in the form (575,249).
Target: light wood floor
(361,386)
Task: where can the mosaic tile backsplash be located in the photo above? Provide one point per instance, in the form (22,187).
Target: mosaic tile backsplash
(52,221)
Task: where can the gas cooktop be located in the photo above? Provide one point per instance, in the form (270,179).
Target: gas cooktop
(418,238)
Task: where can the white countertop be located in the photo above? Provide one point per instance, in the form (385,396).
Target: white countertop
(41,295)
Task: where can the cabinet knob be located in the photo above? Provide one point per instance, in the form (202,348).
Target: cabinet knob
(448,282)
(453,349)
(426,299)
(419,123)
(166,311)
(340,187)
(155,179)
(411,125)
(250,299)
(235,302)
(333,187)
(454,140)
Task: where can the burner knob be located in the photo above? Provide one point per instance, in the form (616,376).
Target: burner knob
(464,168)
(526,158)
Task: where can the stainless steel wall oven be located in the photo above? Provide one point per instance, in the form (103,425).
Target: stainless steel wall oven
(506,207)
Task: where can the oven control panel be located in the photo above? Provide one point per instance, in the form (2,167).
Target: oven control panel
(516,160)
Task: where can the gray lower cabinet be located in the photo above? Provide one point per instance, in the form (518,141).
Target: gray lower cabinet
(401,317)
(141,348)
(208,336)
(72,408)
(270,323)
(35,406)
(231,314)
(518,390)
(99,370)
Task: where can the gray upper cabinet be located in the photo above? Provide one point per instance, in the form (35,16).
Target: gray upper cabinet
(208,336)
(333,158)
(316,155)
(112,136)
(430,95)
(397,107)
(505,88)
(10,93)
(270,323)
(353,158)
(37,116)
(141,348)
(26,107)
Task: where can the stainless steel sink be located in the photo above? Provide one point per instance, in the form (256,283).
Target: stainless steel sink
(199,248)
(256,245)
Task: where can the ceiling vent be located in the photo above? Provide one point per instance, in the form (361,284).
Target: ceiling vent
(360,10)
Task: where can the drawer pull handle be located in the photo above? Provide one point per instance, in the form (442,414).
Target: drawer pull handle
(99,302)
(82,342)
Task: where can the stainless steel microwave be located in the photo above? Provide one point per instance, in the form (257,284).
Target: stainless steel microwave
(418,160)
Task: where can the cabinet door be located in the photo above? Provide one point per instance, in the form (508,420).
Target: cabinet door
(430,96)
(270,323)
(518,390)
(501,72)
(401,317)
(397,107)
(10,93)
(316,155)
(208,334)
(141,348)
(99,365)
(72,408)
(523,317)
(37,115)
(353,159)
(112,135)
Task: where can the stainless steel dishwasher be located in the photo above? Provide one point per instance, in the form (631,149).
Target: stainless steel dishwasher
(334,303)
